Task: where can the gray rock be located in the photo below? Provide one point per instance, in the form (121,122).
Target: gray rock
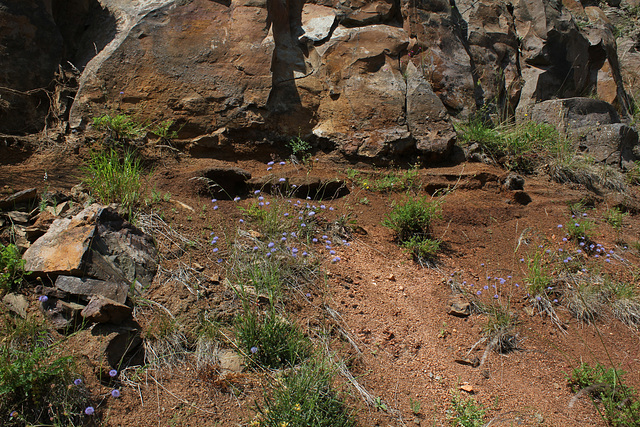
(16,303)
(514,182)
(613,144)
(105,310)
(87,288)
(64,316)
(121,252)
(117,345)
(24,196)
(19,217)
(573,113)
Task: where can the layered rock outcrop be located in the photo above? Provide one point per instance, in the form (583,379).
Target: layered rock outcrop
(373,79)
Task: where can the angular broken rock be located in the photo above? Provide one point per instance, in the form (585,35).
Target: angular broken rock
(96,243)
(459,306)
(105,310)
(87,288)
(19,197)
(63,315)
(63,247)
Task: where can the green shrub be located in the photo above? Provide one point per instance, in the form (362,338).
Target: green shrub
(616,402)
(11,268)
(614,218)
(162,130)
(465,412)
(36,386)
(302,398)
(413,217)
(580,228)
(270,340)
(119,128)
(115,179)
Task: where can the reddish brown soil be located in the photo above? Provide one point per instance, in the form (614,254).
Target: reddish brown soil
(394,310)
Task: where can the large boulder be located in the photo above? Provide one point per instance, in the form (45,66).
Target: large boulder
(96,243)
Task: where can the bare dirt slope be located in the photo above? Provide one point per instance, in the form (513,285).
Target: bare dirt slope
(402,345)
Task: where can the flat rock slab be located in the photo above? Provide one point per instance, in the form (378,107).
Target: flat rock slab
(16,303)
(88,288)
(23,196)
(105,310)
(63,247)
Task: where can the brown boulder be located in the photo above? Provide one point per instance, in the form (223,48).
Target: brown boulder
(105,310)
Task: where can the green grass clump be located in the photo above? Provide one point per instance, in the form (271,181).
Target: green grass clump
(500,327)
(119,128)
(303,397)
(465,412)
(11,268)
(625,302)
(614,217)
(270,340)
(538,278)
(387,181)
(36,385)
(115,179)
(518,147)
(413,217)
(616,403)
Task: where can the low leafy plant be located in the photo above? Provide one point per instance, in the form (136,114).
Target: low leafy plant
(299,147)
(36,385)
(11,268)
(163,130)
(113,178)
(119,128)
(465,412)
(580,228)
(615,217)
(303,397)
(271,340)
(422,248)
(616,403)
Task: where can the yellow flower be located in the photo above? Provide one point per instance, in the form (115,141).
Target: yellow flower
(284,424)
(297,407)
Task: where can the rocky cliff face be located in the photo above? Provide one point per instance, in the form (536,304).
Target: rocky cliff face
(371,78)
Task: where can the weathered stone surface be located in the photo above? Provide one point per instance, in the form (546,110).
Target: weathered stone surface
(107,346)
(24,196)
(514,182)
(87,288)
(121,252)
(19,217)
(64,247)
(105,310)
(459,306)
(63,315)
(229,360)
(31,47)
(573,113)
(317,22)
(16,303)
(612,144)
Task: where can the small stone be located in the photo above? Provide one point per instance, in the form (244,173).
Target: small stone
(230,360)
(19,197)
(459,306)
(467,388)
(198,267)
(18,217)
(16,303)
(401,288)
(392,277)
(529,311)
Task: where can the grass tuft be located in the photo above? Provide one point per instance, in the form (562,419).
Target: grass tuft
(303,397)
(115,179)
